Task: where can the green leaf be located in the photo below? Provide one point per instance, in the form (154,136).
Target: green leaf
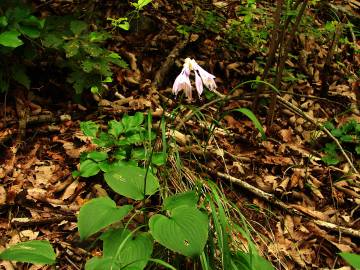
(357,149)
(30,31)
(100,263)
(329,126)
(89,128)
(186,198)
(10,39)
(129,182)
(97,156)
(115,128)
(19,75)
(185,231)
(352,259)
(346,138)
(105,166)
(52,41)
(77,27)
(71,48)
(248,261)
(132,122)
(34,251)
(89,168)
(129,250)
(3,21)
(99,213)
(120,154)
(104,140)
(331,159)
(336,132)
(159,158)
(98,36)
(253,118)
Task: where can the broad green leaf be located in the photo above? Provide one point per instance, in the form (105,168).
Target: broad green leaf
(129,182)
(34,251)
(185,231)
(97,156)
(352,259)
(10,39)
(99,213)
(89,168)
(115,128)
(105,166)
(89,128)
(129,250)
(100,263)
(77,27)
(253,118)
(132,122)
(186,198)
(357,149)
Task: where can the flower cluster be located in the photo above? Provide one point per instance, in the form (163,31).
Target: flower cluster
(202,77)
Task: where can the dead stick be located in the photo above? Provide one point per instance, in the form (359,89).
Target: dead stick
(273,200)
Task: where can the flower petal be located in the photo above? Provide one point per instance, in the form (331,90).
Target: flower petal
(198,84)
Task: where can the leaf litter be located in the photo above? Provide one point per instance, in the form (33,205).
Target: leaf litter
(39,198)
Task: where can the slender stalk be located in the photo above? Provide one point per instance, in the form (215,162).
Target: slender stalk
(282,61)
(274,44)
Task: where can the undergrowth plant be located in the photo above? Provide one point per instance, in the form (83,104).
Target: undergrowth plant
(73,46)
(348,135)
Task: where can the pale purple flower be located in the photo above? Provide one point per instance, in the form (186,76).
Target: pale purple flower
(182,82)
(207,78)
(198,84)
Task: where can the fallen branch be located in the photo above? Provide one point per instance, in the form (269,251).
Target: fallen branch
(36,222)
(273,200)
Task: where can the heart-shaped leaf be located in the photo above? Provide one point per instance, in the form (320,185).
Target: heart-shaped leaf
(129,250)
(99,213)
(186,198)
(129,182)
(185,231)
(35,251)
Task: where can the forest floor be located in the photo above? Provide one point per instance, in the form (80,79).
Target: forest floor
(302,209)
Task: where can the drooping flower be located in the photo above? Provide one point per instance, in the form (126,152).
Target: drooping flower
(182,81)
(207,78)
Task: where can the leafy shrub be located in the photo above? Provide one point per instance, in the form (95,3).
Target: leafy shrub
(77,49)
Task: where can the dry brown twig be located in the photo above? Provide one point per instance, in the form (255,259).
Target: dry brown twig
(273,200)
